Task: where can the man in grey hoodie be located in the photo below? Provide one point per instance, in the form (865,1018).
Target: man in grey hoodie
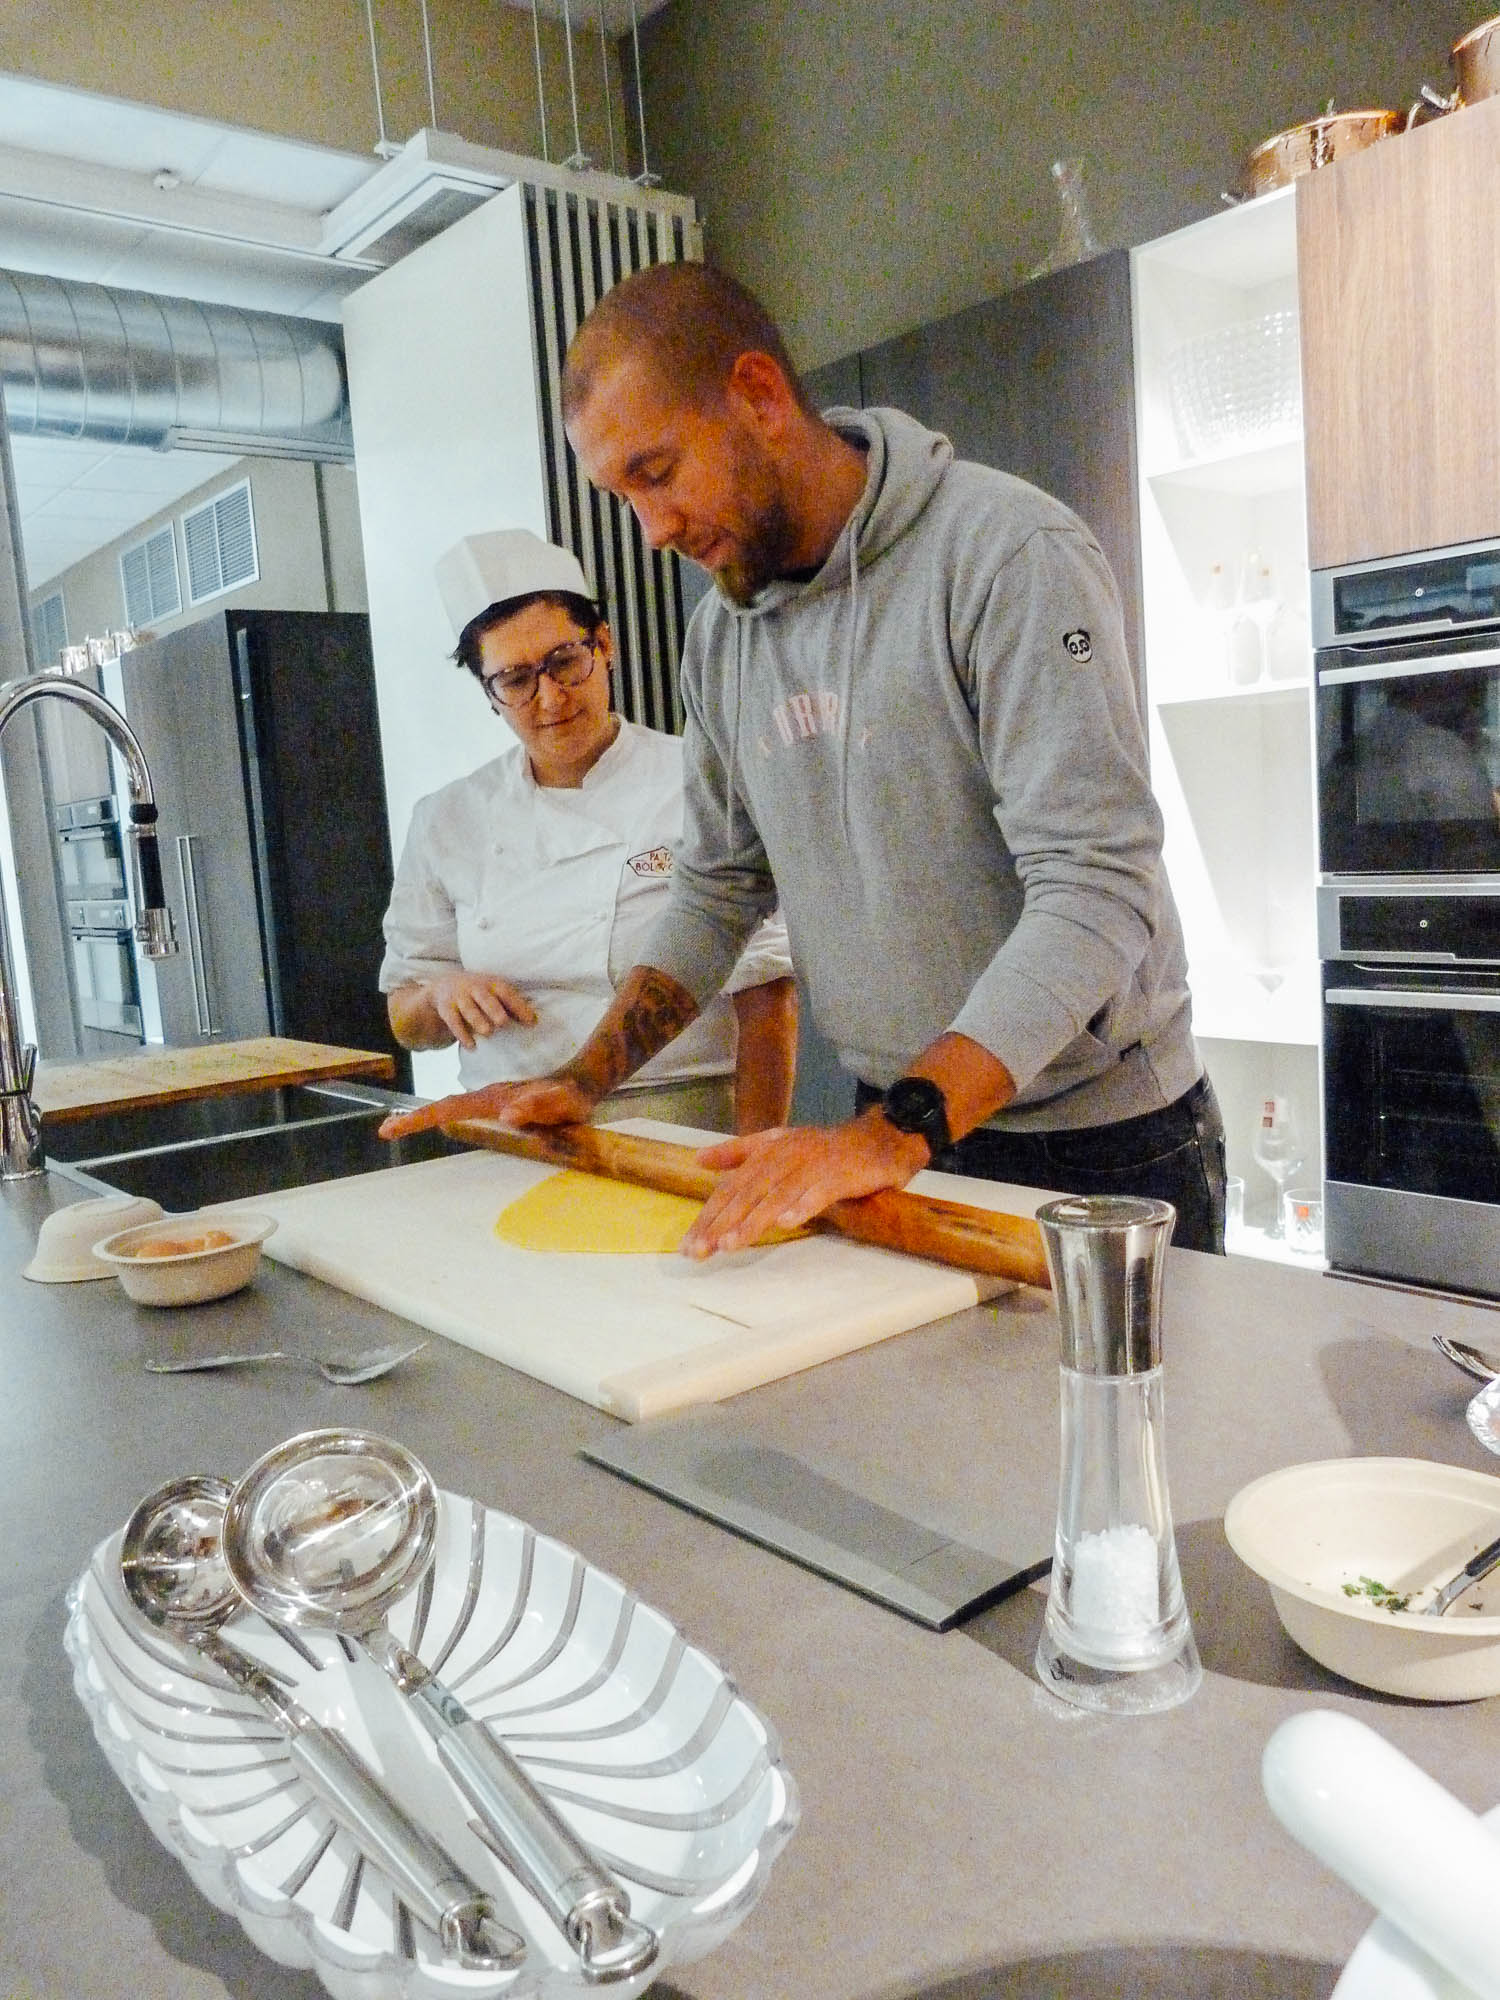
(909,712)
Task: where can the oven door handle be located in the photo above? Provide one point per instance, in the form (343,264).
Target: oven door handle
(1390,670)
(1395,996)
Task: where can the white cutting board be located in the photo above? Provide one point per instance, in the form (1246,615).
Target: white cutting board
(635,1335)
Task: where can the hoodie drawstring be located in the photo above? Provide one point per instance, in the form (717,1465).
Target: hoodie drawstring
(846,695)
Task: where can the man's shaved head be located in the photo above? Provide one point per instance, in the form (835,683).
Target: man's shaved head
(689,321)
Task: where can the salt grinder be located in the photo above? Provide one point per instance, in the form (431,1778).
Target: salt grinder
(1117,1636)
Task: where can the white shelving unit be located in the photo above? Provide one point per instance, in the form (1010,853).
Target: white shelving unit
(1232,755)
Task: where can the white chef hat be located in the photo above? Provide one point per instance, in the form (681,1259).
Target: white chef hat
(482,570)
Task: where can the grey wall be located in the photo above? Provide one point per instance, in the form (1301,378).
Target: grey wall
(307,540)
(865,167)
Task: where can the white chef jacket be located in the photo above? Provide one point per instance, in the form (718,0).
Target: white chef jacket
(556,889)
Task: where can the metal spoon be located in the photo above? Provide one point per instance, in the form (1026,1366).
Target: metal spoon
(346,1369)
(1473,1360)
(1476,1567)
(328,1530)
(172,1565)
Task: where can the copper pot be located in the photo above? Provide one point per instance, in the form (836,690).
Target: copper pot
(1475,61)
(1280,160)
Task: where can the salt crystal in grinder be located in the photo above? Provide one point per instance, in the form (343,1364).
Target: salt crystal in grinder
(1117,1636)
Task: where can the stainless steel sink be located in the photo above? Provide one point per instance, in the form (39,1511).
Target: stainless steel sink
(137,1128)
(228,1148)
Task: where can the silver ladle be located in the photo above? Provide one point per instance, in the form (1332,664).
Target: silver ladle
(173,1569)
(328,1530)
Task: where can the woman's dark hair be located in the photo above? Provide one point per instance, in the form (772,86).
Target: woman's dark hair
(585,613)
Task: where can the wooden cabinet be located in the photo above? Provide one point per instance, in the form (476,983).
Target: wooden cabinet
(1399,253)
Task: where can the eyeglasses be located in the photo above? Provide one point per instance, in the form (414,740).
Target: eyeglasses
(568,665)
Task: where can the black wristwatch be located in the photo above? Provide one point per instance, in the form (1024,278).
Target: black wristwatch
(915,1104)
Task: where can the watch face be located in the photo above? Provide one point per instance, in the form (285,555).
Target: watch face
(915,1104)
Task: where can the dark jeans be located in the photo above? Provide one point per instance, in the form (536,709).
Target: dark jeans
(1175,1154)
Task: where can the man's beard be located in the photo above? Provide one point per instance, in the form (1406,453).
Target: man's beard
(767,545)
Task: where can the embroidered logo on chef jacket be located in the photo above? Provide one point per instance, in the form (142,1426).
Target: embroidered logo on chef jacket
(1079,644)
(655,861)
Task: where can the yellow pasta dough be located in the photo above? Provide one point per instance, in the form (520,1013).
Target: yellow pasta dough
(584,1212)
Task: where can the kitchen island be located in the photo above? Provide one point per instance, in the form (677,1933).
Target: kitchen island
(963,1835)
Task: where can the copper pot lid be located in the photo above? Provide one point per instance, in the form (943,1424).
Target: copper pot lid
(1377,123)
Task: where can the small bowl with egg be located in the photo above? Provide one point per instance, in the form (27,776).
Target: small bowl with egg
(1352,1549)
(180,1260)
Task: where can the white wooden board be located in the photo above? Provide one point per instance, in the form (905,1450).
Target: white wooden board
(636,1335)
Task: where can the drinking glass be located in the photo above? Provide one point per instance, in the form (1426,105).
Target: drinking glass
(1278,1151)
(1302,1218)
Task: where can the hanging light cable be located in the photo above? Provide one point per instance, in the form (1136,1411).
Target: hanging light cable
(609,112)
(645,178)
(578,159)
(427,49)
(383,144)
(541,88)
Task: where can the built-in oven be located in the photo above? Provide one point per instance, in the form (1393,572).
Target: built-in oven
(1407,693)
(100,924)
(1411,1082)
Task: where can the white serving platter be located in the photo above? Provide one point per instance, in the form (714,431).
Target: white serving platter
(639,1739)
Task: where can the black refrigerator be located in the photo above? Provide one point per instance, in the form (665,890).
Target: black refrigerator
(263,738)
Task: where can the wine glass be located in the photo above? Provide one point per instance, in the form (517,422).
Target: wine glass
(1278,1150)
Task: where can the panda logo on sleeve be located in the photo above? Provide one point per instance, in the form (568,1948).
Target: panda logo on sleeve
(1079,645)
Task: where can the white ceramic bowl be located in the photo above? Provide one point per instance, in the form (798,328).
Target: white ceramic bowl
(67,1236)
(1407,1523)
(179,1260)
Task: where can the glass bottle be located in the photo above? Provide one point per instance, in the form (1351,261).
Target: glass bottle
(1117,1635)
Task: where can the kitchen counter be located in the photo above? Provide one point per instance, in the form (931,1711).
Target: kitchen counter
(963,1835)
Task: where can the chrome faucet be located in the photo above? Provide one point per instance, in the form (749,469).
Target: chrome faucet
(20,1121)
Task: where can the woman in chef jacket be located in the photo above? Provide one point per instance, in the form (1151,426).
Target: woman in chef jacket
(526,889)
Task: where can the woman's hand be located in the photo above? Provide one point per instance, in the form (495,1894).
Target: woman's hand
(458,1006)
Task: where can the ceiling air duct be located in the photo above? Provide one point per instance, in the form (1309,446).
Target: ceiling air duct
(118,367)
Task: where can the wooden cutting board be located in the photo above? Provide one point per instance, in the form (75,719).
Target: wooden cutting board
(635,1335)
(216,1069)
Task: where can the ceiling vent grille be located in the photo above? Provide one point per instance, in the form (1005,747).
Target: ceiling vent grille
(148,577)
(219,538)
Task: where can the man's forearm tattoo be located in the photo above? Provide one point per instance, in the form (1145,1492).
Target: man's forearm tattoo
(650,1011)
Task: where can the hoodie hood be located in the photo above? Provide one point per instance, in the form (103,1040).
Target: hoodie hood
(904,466)
(904,463)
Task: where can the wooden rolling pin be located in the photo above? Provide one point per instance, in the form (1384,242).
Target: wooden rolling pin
(974,1239)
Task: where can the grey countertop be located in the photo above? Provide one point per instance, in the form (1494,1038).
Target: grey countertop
(963,1836)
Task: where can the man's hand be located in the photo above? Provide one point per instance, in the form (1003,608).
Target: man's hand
(544,1100)
(782,1178)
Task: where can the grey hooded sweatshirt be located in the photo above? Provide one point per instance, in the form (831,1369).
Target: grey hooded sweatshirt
(930,751)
